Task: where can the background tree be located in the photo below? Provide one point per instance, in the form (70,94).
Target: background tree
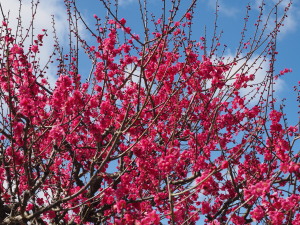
(159,131)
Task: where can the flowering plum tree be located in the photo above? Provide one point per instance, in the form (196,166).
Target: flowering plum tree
(160,130)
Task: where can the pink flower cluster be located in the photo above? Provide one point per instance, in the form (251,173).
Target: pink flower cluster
(169,139)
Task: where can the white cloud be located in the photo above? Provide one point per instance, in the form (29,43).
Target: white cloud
(134,71)
(126,2)
(259,67)
(290,22)
(224,8)
(43,17)
(42,20)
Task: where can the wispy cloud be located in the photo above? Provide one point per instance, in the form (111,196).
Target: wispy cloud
(46,10)
(290,23)
(126,2)
(259,67)
(224,8)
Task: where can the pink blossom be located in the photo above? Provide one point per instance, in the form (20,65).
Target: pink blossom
(34,48)
(188,16)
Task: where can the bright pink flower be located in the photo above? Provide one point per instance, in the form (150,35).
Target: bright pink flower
(34,48)
(40,37)
(188,16)
(122,21)
(257,213)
